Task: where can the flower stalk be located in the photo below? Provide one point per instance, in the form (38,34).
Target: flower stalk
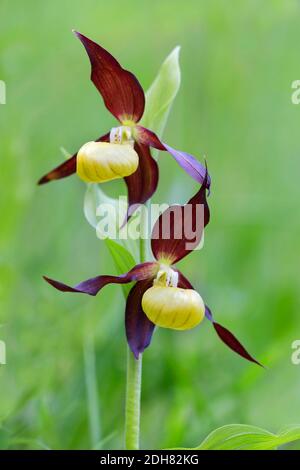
(133,401)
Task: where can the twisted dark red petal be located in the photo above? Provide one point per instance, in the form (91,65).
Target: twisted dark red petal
(121,91)
(229,339)
(138,327)
(143,183)
(94,285)
(68,167)
(179,229)
(189,163)
(63,170)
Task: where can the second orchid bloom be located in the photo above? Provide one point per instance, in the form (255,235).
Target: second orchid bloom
(161,295)
(124,152)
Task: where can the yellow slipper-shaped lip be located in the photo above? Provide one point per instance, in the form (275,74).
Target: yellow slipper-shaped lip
(98,162)
(173,307)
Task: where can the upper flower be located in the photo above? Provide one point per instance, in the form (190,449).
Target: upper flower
(161,295)
(124,152)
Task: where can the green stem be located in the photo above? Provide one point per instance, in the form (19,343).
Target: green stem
(133,401)
(134,366)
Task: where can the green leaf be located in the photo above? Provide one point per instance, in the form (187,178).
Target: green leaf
(123,260)
(246,437)
(289,434)
(162,92)
(236,436)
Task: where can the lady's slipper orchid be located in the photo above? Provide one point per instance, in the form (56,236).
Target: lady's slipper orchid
(125,151)
(161,295)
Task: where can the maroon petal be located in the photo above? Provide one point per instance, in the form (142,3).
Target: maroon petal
(189,163)
(68,167)
(229,339)
(63,170)
(92,286)
(138,327)
(121,91)
(143,183)
(179,229)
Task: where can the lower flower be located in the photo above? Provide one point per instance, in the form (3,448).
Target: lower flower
(161,295)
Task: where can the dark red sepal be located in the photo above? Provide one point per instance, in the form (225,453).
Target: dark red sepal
(63,170)
(229,339)
(121,91)
(180,228)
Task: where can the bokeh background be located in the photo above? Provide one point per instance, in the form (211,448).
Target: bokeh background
(63,384)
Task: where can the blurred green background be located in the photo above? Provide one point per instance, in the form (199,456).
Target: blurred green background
(238,61)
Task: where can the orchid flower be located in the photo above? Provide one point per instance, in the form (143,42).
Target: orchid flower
(161,295)
(124,152)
